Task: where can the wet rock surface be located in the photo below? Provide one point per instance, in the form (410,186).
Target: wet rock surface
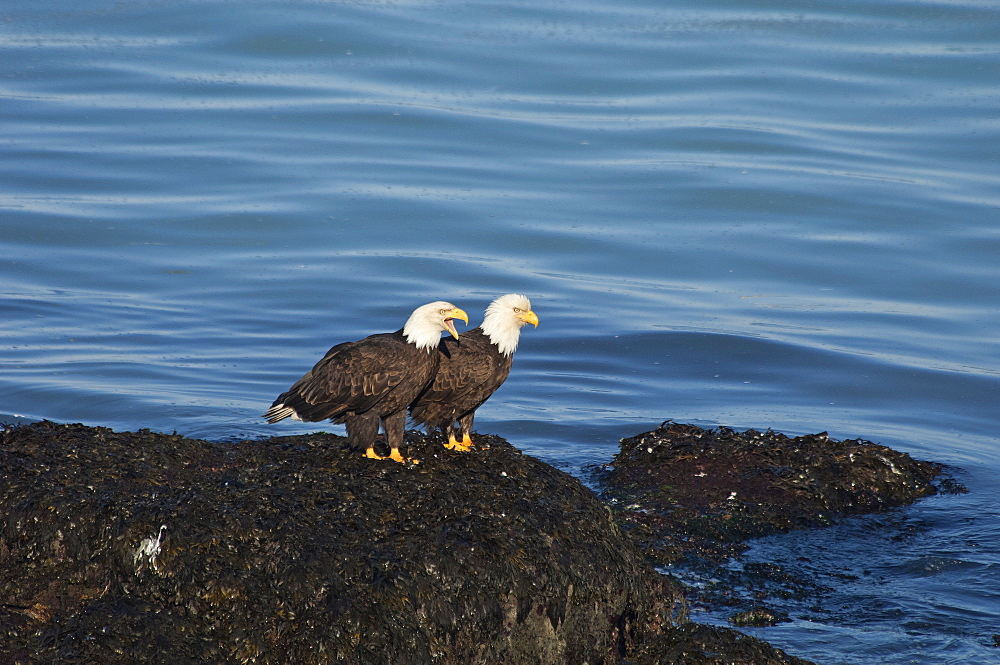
(691,497)
(139,547)
(696,644)
(683,490)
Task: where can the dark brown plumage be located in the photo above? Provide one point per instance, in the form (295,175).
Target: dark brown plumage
(362,383)
(471,369)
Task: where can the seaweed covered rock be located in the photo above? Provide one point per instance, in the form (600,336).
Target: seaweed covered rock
(153,548)
(697,644)
(682,489)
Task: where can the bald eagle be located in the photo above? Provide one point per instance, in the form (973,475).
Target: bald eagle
(471,369)
(375,379)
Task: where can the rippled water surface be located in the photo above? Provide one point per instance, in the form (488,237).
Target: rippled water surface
(777,214)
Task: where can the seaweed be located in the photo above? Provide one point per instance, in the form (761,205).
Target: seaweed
(142,547)
(683,491)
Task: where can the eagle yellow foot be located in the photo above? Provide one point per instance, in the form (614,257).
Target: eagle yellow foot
(463,446)
(394,455)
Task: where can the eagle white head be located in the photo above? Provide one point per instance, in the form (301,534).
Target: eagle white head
(504,318)
(423,328)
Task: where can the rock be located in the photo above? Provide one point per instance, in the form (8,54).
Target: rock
(138,547)
(757,618)
(685,490)
(695,644)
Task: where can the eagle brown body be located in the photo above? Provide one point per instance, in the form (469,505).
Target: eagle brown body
(471,369)
(362,384)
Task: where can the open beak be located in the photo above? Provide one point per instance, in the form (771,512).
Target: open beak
(456,313)
(530,317)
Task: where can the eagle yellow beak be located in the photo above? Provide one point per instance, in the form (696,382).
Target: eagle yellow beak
(529,317)
(456,313)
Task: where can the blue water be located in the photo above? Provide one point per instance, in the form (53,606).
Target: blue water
(758,214)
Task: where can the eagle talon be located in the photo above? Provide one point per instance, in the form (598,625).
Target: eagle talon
(463,446)
(394,455)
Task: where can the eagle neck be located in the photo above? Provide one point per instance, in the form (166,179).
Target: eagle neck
(505,335)
(421,335)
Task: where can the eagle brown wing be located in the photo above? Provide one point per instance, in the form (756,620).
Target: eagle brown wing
(354,377)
